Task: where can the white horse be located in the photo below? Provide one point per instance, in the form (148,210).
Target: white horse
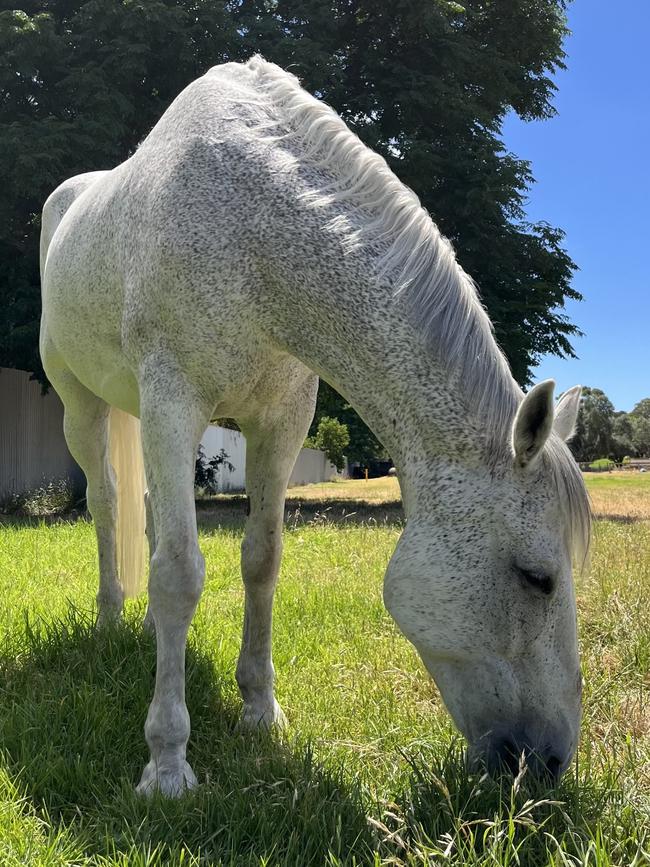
(211,274)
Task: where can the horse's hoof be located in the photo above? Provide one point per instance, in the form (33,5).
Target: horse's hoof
(255,716)
(170,783)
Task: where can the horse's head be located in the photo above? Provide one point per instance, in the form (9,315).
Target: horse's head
(483,588)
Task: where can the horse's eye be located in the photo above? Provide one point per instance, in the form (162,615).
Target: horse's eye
(538,580)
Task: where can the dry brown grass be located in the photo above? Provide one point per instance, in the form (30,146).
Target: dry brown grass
(375,491)
(614,496)
(620,496)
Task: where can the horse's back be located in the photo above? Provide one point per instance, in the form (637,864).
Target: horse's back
(170,247)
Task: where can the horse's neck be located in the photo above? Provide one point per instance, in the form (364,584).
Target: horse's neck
(374,353)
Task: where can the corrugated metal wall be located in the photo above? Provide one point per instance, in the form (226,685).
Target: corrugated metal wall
(33,449)
(32,446)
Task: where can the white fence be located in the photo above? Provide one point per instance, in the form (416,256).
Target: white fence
(311,466)
(33,450)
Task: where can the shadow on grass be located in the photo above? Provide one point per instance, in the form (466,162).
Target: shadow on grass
(230,512)
(72,707)
(469,818)
(67,517)
(619,518)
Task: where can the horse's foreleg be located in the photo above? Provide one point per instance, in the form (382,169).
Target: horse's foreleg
(86,432)
(270,456)
(172,423)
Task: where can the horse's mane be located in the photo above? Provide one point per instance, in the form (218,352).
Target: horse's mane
(417,261)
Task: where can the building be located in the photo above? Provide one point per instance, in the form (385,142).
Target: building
(33,451)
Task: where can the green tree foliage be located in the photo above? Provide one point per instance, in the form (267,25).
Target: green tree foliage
(642,408)
(427,83)
(640,424)
(364,445)
(601,432)
(206,472)
(332,437)
(622,436)
(594,429)
(81,83)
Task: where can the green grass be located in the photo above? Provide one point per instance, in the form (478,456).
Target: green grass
(370,771)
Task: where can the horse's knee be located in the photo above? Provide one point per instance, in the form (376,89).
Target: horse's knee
(176,577)
(260,557)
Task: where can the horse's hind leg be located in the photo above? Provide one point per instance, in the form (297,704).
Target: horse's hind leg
(271,452)
(86,432)
(148,623)
(173,419)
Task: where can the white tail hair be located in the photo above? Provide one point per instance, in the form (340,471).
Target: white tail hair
(126,458)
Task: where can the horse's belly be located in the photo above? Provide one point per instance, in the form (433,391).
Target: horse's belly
(82,320)
(114,297)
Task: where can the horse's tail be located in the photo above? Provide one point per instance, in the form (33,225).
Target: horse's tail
(126,458)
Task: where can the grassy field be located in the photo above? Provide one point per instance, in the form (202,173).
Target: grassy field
(370,771)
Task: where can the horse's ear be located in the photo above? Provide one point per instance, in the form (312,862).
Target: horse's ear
(533,422)
(566,413)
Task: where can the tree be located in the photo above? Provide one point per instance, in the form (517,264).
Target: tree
(427,83)
(622,436)
(332,437)
(206,472)
(642,408)
(640,423)
(594,428)
(363,445)
(81,84)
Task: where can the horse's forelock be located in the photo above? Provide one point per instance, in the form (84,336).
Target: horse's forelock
(573,496)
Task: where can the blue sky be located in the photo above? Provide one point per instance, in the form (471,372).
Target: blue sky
(592,167)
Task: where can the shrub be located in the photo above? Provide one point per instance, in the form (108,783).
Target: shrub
(206,472)
(332,437)
(52,498)
(602,464)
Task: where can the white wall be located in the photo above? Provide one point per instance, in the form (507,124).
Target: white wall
(33,450)
(234,444)
(311,466)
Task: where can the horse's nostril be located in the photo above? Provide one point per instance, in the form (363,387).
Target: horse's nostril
(553,766)
(509,755)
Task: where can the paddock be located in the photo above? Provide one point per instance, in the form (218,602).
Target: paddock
(370,765)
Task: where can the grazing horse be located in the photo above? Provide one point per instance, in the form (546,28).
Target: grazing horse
(211,274)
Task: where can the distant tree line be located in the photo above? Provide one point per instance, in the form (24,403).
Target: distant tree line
(426,83)
(602,432)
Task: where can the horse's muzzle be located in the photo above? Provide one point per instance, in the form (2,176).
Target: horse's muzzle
(511,753)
